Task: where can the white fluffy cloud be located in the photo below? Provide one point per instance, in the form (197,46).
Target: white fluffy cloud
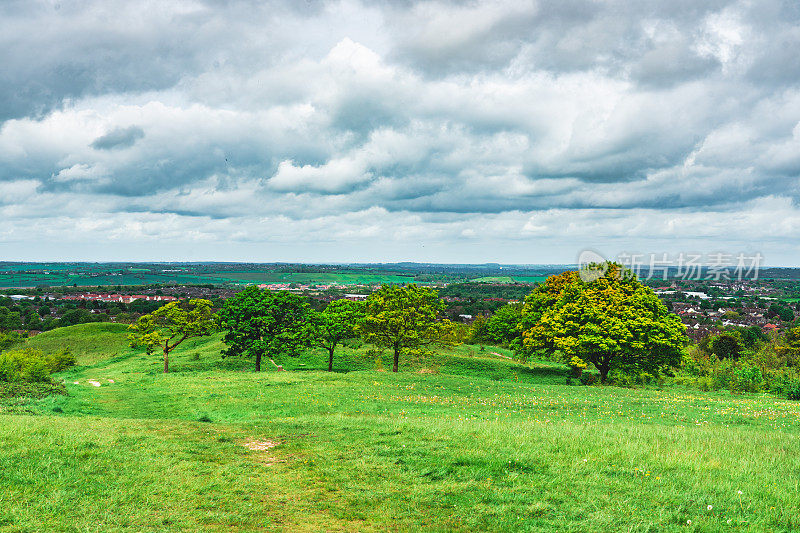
(342,130)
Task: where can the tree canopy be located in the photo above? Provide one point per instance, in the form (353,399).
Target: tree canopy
(613,322)
(726,346)
(404,319)
(262,323)
(789,348)
(170,325)
(503,326)
(337,322)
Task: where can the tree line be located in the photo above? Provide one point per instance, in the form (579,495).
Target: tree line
(613,322)
(263,324)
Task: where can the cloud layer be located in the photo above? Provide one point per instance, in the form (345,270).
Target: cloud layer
(513,131)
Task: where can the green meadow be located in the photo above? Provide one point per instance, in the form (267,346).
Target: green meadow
(100,278)
(342,278)
(94,276)
(509,279)
(464,440)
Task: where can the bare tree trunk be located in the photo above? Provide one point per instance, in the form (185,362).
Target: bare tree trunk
(330,359)
(258,362)
(166,359)
(396,357)
(604,367)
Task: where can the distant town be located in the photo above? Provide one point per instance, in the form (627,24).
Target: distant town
(470,292)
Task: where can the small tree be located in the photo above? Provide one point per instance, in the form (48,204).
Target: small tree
(336,323)
(168,326)
(726,346)
(404,318)
(265,323)
(753,335)
(503,326)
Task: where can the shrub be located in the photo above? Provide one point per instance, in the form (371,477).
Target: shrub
(588,379)
(698,362)
(24,366)
(622,379)
(7,340)
(747,379)
(793,391)
(633,379)
(60,360)
(577,366)
(457,334)
(735,377)
(31,390)
(705,383)
(781,380)
(32,366)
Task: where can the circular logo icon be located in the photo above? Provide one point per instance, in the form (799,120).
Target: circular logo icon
(591,266)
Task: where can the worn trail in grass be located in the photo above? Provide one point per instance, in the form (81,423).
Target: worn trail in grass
(471,443)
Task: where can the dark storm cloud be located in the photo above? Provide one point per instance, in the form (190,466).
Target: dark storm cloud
(51,51)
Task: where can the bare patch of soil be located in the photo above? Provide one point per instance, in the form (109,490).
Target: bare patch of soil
(263,446)
(260,446)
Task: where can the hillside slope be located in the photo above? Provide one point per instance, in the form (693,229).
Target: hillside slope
(89,342)
(460,441)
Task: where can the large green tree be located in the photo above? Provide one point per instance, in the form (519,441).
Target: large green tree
(168,326)
(262,323)
(404,319)
(337,322)
(613,322)
(503,326)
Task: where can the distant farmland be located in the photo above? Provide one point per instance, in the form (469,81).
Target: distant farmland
(92,275)
(128,274)
(85,274)
(509,279)
(313,278)
(60,279)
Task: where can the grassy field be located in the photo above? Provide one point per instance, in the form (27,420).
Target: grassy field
(530,279)
(493,279)
(314,278)
(108,279)
(509,279)
(66,274)
(94,276)
(466,440)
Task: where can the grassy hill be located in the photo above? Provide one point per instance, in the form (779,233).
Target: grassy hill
(465,440)
(89,342)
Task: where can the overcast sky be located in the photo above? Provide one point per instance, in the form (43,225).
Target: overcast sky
(509,131)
